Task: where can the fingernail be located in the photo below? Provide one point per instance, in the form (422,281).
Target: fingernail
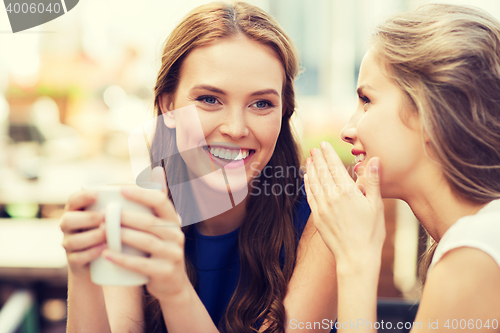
(375,167)
(313,151)
(308,161)
(322,144)
(107,255)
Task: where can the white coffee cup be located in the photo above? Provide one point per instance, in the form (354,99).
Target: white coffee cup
(111,202)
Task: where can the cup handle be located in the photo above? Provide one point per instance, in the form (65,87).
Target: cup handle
(113,226)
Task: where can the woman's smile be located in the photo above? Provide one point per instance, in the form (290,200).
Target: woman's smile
(228,157)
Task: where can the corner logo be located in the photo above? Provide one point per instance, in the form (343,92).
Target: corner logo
(26,14)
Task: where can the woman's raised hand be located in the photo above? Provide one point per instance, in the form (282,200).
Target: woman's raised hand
(349,215)
(84,234)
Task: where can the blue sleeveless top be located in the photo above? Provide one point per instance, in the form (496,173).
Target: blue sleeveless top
(217,263)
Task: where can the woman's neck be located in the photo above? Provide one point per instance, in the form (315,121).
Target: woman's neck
(225,222)
(438,207)
(216,213)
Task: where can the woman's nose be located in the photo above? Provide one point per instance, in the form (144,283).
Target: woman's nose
(348,133)
(235,125)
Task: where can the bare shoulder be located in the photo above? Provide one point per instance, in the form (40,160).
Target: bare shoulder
(125,308)
(463,285)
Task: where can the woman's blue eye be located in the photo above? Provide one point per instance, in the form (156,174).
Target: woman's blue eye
(207,99)
(263,104)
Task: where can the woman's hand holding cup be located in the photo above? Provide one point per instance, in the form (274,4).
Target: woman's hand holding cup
(126,235)
(84,234)
(160,236)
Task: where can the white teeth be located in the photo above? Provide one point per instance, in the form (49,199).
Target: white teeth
(238,156)
(359,158)
(230,154)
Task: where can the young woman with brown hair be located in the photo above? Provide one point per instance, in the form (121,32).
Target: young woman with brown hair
(254,267)
(427,131)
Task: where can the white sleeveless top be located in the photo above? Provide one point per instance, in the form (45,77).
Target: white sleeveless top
(480,231)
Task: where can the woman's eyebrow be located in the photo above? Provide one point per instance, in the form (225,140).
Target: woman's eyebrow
(265,92)
(363,86)
(210,88)
(222,92)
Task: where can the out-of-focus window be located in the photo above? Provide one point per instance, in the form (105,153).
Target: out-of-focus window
(308,24)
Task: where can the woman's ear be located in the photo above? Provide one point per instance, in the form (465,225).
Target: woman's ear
(166,107)
(426,137)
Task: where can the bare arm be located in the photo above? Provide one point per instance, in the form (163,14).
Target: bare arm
(187,314)
(86,310)
(312,291)
(358,297)
(83,242)
(125,309)
(463,286)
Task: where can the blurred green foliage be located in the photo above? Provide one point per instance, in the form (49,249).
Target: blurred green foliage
(342,148)
(71,91)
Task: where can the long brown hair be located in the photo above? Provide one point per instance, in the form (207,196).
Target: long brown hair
(446,59)
(268,228)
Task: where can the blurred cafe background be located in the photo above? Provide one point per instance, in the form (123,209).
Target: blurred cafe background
(72,90)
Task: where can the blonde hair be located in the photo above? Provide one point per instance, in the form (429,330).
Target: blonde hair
(446,59)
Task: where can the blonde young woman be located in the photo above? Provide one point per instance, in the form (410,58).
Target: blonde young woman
(427,131)
(255,267)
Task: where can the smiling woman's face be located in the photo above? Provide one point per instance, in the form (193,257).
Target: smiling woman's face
(236,86)
(376,129)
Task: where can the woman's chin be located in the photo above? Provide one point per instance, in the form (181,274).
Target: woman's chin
(226,183)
